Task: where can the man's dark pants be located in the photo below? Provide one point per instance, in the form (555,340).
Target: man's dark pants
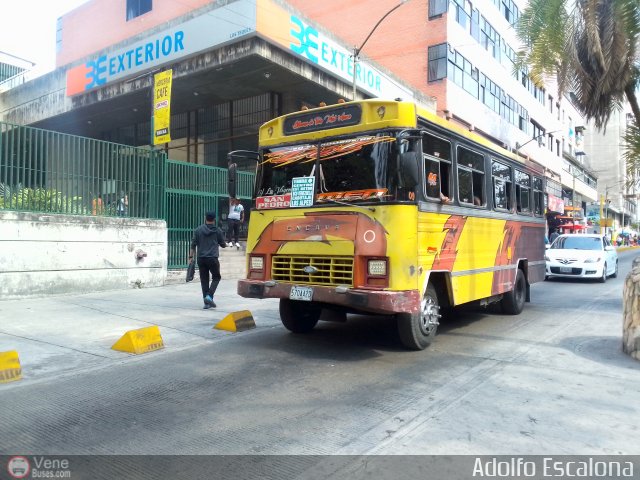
(233,230)
(206,265)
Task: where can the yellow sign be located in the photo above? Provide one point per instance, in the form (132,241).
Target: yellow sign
(162,107)
(606,222)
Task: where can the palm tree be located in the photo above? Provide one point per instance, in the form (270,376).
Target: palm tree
(592,47)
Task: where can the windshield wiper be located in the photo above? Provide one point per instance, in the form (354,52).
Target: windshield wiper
(371,209)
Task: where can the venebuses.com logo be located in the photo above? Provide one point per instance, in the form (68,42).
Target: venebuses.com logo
(39,467)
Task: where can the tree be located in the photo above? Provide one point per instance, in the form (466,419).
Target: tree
(591,47)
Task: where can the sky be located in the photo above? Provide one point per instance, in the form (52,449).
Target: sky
(28,29)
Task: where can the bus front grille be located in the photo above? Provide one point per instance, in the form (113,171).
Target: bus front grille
(328,270)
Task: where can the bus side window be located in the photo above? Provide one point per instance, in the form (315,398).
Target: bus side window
(471,177)
(523,192)
(538,196)
(437,153)
(501,175)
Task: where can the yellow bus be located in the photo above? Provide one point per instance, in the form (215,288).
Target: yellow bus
(382,207)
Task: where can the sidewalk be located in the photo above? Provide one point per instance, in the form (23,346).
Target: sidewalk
(67,333)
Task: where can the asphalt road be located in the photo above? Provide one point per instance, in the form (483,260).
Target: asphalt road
(552,380)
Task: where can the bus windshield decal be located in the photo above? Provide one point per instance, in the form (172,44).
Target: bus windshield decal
(368,194)
(328,151)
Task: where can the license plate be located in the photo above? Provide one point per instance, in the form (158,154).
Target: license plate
(301,293)
(565,270)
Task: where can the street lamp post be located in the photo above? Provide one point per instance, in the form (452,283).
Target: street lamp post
(356,51)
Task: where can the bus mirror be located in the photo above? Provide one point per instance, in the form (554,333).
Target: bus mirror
(409,170)
(247,157)
(231,182)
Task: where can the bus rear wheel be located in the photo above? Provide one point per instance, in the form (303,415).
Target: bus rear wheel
(299,316)
(417,330)
(513,302)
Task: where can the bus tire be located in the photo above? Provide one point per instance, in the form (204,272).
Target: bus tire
(513,302)
(299,316)
(417,330)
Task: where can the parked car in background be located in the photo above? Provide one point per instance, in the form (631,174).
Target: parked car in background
(581,256)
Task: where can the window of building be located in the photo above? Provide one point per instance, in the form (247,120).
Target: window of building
(437,154)
(437,7)
(523,192)
(501,175)
(135,8)
(59,34)
(538,196)
(470,177)
(438,62)
(550,104)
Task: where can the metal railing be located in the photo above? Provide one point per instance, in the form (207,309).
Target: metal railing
(44,171)
(50,172)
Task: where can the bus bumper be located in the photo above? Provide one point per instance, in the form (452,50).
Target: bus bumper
(374,301)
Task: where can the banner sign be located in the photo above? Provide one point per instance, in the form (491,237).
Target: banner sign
(555,204)
(311,122)
(162,107)
(219,26)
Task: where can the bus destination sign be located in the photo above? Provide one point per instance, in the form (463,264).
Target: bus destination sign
(332,118)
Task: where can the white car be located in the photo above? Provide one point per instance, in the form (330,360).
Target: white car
(581,256)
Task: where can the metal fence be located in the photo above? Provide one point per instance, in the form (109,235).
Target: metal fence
(44,171)
(50,172)
(192,190)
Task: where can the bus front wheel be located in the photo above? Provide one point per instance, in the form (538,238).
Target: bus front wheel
(299,316)
(513,302)
(417,330)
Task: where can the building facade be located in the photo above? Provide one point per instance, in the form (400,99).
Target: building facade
(238,63)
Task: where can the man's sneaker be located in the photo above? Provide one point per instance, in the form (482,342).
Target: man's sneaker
(206,306)
(208,300)
(230,244)
(237,245)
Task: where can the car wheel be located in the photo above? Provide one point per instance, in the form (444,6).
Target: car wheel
(299,316)
(513,302)
(417,330)
(615,272)
(603,278)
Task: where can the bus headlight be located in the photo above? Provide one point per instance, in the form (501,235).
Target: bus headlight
(377,267)
(256,263)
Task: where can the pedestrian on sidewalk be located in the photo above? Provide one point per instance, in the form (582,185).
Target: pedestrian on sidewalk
(234,219)
(206,239)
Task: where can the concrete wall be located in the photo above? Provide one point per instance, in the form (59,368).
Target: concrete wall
(43,254)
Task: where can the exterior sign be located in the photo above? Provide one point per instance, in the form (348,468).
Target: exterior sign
(313,46)
(311,122)
(302,191)
(162,107)
(211,29)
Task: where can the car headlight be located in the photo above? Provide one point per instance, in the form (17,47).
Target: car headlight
(592,260)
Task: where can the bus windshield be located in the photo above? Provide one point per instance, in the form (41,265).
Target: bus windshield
(353,169)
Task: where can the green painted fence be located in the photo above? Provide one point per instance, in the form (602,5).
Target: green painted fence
(44,171)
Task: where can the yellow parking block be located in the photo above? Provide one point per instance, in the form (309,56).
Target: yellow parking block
(10,369)
(237,322)
(139,341)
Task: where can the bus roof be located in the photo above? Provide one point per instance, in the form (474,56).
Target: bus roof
(360,116)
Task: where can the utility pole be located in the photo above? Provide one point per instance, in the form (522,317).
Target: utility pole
(356,51)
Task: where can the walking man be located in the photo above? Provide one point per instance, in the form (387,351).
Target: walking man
(206,239)
(234,219)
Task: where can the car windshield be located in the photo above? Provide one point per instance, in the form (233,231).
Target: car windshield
(351,169)
(578,243)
